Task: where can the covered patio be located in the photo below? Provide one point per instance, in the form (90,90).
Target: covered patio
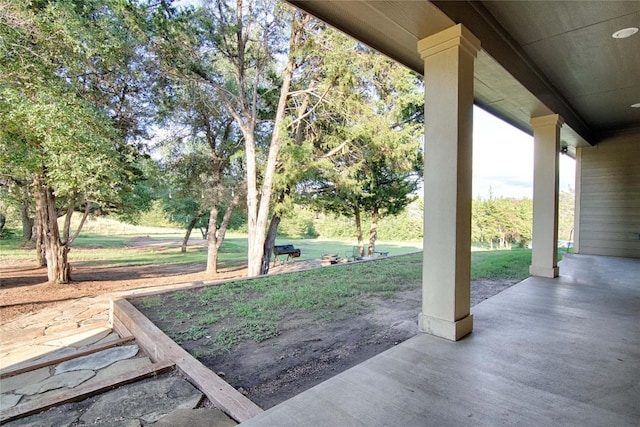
(562,347)
(567,73)
(562,351)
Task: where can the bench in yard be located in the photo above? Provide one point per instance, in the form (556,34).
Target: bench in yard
(287,250)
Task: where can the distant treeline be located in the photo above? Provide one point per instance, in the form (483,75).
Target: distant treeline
(496,222)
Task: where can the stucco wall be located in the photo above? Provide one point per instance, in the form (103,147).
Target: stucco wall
(608,197)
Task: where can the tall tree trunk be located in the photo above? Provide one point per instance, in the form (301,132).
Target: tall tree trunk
(27,222)
(356,211)
(269,243)
(219,233)
(58,269)
(212,238)
(252,208)
(40,219)
(39,239)
(373,230)
(257,236)
(187,234)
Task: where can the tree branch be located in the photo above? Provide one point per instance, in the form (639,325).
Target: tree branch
(87,209)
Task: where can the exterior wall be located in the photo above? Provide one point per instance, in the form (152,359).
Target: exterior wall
(608,197)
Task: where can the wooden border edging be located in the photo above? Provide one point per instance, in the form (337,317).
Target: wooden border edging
(80,392)
(128,320)
(89,350)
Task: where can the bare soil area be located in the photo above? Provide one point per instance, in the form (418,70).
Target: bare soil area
(307,350)
(24,287)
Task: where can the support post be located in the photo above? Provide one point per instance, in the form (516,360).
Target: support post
(446,287)
(546,149)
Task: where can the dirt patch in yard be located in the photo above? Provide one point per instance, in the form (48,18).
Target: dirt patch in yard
(309,347)
(24,288)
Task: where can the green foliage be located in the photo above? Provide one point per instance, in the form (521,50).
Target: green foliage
(202,166)
(8,234)
(207,319)
(150,302)
(258,331)
(225,339)
(362,150)
(231,51)
(566,207)
(502,222)
(156,217)
(53,113)
(510,264)
(304,223)
(242,310)
(72,100)
(196,332)
(299,223)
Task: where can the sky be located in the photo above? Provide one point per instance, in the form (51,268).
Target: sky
(503,159)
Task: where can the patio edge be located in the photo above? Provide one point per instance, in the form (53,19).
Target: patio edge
(127,320)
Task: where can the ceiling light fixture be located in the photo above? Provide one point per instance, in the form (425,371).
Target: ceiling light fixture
(624,33)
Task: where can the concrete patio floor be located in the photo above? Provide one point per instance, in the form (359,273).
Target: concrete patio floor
(544,352)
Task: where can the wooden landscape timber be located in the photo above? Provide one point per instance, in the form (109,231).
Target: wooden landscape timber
(127,320)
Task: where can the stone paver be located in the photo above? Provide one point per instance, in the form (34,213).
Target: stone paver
(79,340)
(48,381)
(25,355)
(15,354)
(52,418)
(57,354)
(119,368)
(64,380)
(64,329)
(98,360)
(109,338)
(17,381)
(147,400)
(7,400)
(46,395)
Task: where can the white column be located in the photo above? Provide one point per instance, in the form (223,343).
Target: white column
(448,76)
(546,149)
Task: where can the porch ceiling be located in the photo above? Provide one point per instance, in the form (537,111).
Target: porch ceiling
(537,58)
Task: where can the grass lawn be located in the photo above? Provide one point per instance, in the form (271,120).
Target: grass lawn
(163,247)
(251,309)
(507,264)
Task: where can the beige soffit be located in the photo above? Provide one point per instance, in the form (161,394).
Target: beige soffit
(394,28)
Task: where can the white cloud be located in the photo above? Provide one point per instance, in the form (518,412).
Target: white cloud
(503,159)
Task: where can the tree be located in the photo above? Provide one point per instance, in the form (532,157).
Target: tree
(566,207)
(502,222)
(15,191)
(63,123)
(367,150)
(233,48)
(205,171)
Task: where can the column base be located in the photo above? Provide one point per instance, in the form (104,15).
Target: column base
(550,272)
(452,331)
